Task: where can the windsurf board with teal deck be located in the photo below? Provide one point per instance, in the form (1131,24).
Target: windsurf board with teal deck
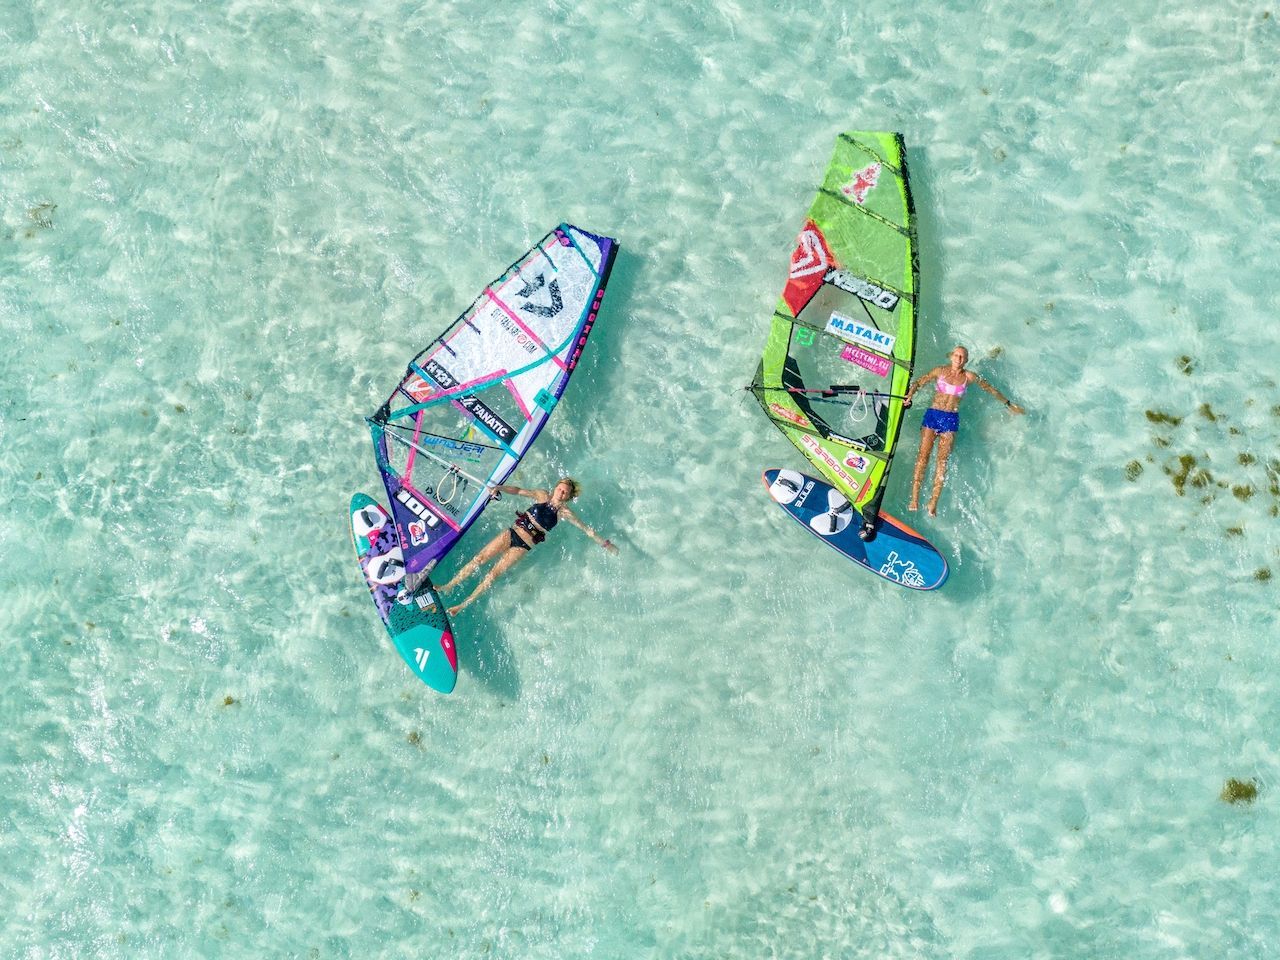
(465,412)
(415,618)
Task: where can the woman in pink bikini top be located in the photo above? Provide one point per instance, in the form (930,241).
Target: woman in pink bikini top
(942,421)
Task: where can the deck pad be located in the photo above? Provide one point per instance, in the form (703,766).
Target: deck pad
(415,619)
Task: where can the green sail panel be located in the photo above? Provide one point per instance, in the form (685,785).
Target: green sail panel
(841,344)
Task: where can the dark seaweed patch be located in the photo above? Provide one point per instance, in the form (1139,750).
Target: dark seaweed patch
(1239,791)
(1186,364)
(1156,416)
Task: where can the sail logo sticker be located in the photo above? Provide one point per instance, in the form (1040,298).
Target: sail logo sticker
(418,388)
(533,286)
(525,341)
(440,374)
(484,415)
(811,255)
(851,331)
(790,415)
(863,289)
(856,461)
(418,533)
(416,507)
(809,263)
(831,463)
(861,183)
(878,365)
(903,571)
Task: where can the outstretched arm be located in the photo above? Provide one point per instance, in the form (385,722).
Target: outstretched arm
(931,375)
(522,492)
(1013,407)
(569,515)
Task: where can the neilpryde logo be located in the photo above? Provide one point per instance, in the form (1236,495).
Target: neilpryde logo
(846,328)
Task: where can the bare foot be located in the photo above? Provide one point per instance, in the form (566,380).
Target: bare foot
(914,505)
(454,611)
(933,508)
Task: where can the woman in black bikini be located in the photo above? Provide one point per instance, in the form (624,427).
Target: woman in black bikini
(530,529)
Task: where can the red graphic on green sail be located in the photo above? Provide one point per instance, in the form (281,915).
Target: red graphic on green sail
(810,262)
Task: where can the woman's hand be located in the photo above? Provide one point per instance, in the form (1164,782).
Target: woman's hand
(608,545)
(1014,408)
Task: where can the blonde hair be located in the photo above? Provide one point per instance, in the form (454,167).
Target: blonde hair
(575,487)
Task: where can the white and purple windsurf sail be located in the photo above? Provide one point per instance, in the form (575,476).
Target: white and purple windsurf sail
(470,404)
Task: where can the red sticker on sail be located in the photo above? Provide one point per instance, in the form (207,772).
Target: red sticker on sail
(809,264)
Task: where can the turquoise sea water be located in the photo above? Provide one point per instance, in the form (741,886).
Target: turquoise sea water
(225,227)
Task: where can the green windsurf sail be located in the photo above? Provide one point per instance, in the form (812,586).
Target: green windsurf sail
(841,344)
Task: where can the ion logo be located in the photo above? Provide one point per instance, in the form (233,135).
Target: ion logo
(416,507)
(861,183)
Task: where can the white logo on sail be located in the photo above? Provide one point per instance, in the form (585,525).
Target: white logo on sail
(809,257)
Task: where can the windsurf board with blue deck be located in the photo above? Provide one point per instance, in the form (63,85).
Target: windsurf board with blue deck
(415,618)
(896,552)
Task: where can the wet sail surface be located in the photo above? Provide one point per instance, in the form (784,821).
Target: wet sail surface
(472,402)
(841,344)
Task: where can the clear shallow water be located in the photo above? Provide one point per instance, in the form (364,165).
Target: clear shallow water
(721,742)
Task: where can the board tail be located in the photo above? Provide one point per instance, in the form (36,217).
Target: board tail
(410,606)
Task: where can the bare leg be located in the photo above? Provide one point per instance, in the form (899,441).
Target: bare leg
(922,464)
(940,470)
(509,559)
(491,550)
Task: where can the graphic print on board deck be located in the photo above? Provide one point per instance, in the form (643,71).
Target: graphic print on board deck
(838,360)
(473,401)
(897,553)
(415,618)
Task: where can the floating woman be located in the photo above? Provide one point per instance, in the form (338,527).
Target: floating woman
(942,420)
(530,528)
